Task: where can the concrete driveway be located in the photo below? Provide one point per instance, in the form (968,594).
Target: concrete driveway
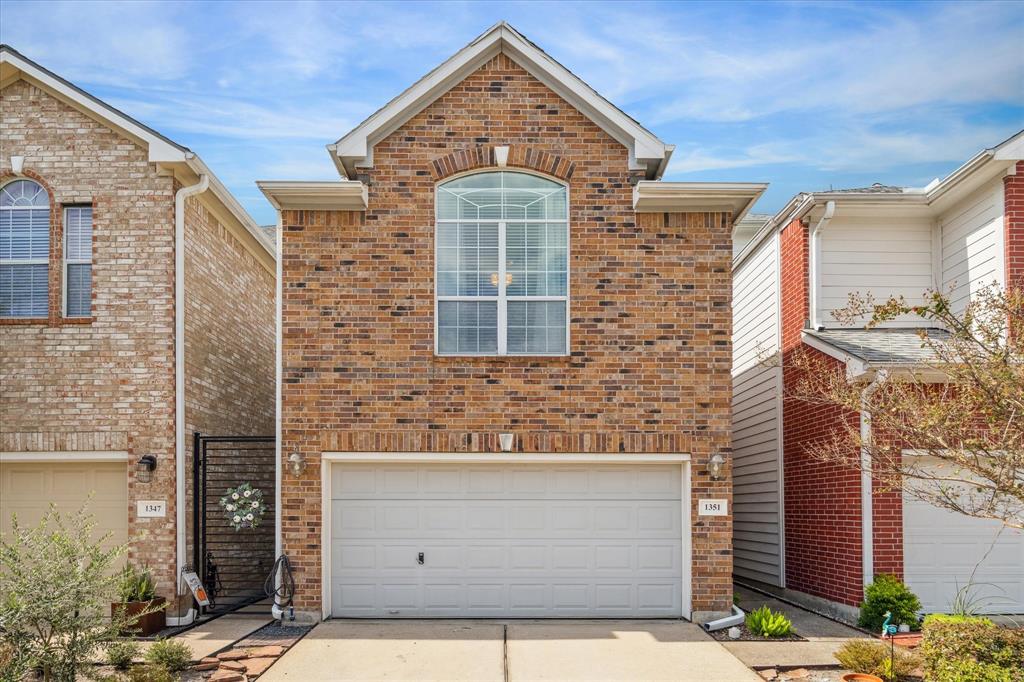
(520,651)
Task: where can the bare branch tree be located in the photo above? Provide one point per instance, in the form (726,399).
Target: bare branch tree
(965,431)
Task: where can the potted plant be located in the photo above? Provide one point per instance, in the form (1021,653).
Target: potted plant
(139,604)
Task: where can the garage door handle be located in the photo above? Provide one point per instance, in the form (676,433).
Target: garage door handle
(420,558)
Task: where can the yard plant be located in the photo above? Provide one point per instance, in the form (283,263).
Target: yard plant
(767,623)
(170,654)
(120,654)
(973,648)
(872,657)
(136,584)
(888,593)
(58,582)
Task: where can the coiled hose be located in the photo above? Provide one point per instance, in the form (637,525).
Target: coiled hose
(284,592)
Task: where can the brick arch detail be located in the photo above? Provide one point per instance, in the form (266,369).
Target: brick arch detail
(519,156)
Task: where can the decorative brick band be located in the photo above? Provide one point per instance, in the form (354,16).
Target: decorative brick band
(519,156)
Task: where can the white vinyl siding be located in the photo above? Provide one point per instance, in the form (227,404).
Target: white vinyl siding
(971,234)
(502,265)
(757,487)
(881,256)
(77,261)
(24,250)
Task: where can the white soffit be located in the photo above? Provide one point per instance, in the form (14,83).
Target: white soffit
(675,197)
(355,149)
(343,195)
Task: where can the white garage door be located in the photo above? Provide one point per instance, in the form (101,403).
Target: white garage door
(506,540)
(942,548)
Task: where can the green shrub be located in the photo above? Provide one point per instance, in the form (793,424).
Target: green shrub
(122,652)
(871,656)
(170,654)
(888,593)
(150,673)
(768,623)
(136,584)
(971,648)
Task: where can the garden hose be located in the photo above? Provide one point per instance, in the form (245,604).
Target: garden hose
(283,592)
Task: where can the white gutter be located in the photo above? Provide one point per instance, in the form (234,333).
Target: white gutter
(867,527)
(179,370)
(815,261)
(278,289)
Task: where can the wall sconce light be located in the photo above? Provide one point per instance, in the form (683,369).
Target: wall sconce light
(506,441)
(17,164)
(297,463)
(715,466)
(144,468)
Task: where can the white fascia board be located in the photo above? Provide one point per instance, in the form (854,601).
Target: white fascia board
(652,196)
(1012,149)
(159,148)
(356,148)
(856,368)
(229,201)
(342,195)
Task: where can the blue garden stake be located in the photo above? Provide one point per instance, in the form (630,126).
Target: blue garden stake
(889,631)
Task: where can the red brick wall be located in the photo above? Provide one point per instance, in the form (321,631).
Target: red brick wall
(650,315)
(105,383)
(1013,186)
(822,501)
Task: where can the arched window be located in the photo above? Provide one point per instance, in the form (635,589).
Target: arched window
(24,249)
(502,265)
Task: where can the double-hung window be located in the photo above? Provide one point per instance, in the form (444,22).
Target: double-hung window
(24,249)
(78,261)
(502,265)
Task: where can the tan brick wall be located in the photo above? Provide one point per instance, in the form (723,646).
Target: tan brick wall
(106,383)
(650,311)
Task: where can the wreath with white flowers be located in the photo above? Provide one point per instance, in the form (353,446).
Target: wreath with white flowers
(244,506)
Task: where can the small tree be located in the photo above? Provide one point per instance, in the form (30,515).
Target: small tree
(57,583)
(969,426)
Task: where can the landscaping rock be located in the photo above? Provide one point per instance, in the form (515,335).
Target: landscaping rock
(264,651)
(227,676)
(207,664)
(237,666)
(796,674)
(233,655)
(769,674)
(257,666)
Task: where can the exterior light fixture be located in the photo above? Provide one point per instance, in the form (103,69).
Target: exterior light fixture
(144,468)
(506,440)
(297,463)
(715,466)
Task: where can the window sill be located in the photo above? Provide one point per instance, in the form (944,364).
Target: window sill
(25,320)
(45,321)
(507,356)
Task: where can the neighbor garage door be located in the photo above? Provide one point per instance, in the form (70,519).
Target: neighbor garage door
(506,540)
(27,489)
(942,549)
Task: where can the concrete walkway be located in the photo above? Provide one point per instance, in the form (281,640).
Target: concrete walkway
(519,651)
(210,637)
(824,637)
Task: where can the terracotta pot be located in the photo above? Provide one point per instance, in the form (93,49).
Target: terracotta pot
(146,625)
(860,677)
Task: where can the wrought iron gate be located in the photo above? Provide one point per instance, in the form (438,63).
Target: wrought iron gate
(233,564)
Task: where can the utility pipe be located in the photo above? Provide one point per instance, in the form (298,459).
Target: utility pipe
(179,380)
(736,618)
(867,528)
(815,258)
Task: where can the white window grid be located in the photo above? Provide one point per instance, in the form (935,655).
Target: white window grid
(29,206)
(72,214)
(502,299)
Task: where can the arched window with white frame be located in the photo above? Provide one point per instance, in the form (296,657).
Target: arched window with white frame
(502,265)
(24,250)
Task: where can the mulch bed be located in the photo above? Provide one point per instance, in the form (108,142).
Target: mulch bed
(747,636)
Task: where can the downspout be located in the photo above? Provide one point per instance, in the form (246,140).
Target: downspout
(815,261)
(179,381)
(867,528)
(278,305)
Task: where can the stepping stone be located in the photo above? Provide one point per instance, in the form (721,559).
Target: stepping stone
(264,651)
(207,664)
(769,674)
(797,674)
(233,655)
(227,676)
(237,666)
(257,666)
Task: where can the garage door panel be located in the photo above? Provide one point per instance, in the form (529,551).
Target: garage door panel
(527,549)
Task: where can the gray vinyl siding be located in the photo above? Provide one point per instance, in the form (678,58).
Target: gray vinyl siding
(757,387)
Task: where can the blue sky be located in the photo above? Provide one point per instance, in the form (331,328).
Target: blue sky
(803,95)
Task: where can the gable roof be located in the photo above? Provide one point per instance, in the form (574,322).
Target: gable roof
(646,151)
(160,149)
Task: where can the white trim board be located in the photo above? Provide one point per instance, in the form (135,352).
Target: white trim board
(66,456)
(327,459)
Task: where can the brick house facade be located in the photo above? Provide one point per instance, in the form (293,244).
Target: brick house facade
(84,398)
(645,378)
(957,235)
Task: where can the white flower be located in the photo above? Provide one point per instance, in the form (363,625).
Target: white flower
(255,505)
(234,496)
(248,517)
(231,507)
(248,493)
(236,518)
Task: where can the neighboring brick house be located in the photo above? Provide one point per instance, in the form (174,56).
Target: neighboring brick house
(502,259)
(95,375)
(800,523)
